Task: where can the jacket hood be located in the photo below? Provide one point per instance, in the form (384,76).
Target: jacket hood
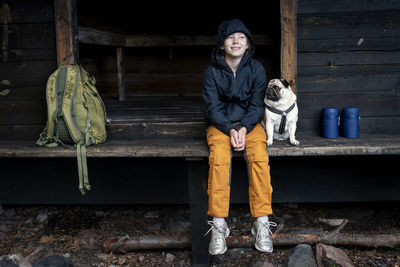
(225,29)
(228,27)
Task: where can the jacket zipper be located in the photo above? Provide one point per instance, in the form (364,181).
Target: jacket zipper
(234,89)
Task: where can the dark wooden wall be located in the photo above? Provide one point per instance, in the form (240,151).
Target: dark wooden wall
(349,55)
(30,59)
(165,70)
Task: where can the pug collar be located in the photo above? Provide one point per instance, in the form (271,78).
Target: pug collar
(283,113)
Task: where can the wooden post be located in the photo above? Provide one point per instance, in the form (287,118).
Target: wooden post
(121,74)
(6,18)
(197,182)
(289,42)
(66,22)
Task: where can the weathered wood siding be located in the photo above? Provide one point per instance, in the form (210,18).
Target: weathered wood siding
(349,55)
(25,65)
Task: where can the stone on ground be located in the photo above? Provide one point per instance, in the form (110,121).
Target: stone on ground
(303,256)
(54,260)
(331,256)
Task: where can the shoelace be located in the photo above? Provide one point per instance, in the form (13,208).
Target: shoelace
(220,229)
(265,227)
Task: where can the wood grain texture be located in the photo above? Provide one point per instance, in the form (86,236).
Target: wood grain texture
(66,30)
(289,42)
(93,36)
(121,74)
(310,146)
(318,6)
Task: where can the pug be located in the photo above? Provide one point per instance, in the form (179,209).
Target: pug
(281,112)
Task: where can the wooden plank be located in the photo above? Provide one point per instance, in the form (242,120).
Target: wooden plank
(348,70)
(351,18)
(348,58)
(152,130)
(195,40)
(23,112)
(349,44)
(157,116)
(18,55)
(27,68)
(5,17)
(343,31)
(21,132)
(121,74)
(26,73)
(309,146)
(8,93)
(318,6)
(154,102)
(320,84)
(289,42)
(149,40)
(92,36)
(151,84)
(66,30)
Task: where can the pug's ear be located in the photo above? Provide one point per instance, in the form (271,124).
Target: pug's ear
(285,83)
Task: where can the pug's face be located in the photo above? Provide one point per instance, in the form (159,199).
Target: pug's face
(277,89)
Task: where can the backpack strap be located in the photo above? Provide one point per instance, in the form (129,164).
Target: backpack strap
(82,169)
(81,155)
(65,59)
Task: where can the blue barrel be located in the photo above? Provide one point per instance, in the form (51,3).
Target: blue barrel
(330,122)
(351,122)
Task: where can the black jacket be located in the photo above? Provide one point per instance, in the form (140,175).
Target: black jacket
(234,101)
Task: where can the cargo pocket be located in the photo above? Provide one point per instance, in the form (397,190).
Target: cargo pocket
(257,155)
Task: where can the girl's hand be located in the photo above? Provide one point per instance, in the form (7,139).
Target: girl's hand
(234,138)
(238,139)
(241,139)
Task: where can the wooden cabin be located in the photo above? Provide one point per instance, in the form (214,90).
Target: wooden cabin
(149,62)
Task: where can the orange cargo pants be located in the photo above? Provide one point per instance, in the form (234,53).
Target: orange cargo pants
(219,176)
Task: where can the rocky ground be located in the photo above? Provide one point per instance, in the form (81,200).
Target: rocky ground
(78,232)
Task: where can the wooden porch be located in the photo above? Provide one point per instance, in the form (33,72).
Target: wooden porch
(157,112)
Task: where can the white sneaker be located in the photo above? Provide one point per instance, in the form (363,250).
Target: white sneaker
(219,231)
(262,233)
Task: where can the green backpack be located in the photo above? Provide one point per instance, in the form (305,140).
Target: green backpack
(76,115)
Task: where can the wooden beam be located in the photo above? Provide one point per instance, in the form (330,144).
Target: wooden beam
(66,23)
(91,36)
(289,42)
(197,170)
(121,74)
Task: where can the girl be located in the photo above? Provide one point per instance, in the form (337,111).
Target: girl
(234,89)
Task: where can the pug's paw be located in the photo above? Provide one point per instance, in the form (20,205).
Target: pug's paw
(269,142)
(294,142)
